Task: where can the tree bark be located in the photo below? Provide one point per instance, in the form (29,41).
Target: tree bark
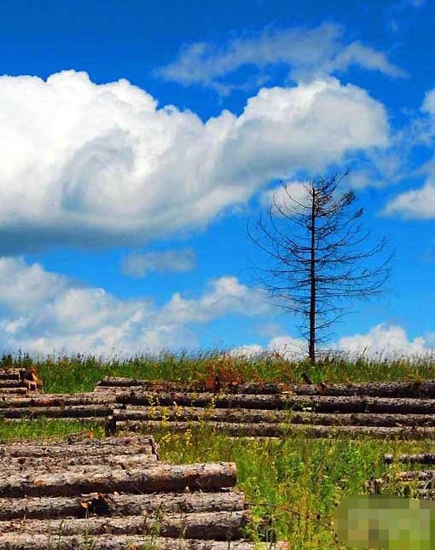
(60,462)
(163,477)
(10,383)
(75,411)
(417,458)
(7,392)
(121,505)
(127,445)
(57,400)
(122,542)
(280,430)
(347,404)
(10,374)
(121,384)
(249,416)
(207,525)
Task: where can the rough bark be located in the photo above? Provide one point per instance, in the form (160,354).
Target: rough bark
(207,525)
(420,458)
(57,400)
(75,411)
(122,505)
(421,475)
(347,404)
(60,462)
(119,383)
(10,374)
(249,416)
(7,392)
(280,430)
(163,477)
(122,542)
(10,383)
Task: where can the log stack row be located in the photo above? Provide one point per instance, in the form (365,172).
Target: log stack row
(115,493)
(395,409)
(418,483)
(19,382)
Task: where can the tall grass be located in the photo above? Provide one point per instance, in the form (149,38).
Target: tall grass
(76,373)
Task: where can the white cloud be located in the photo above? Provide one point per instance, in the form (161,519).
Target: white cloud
(139,265)
(414,204)
(97,165)
(44,312)
(382,341)
(309,53)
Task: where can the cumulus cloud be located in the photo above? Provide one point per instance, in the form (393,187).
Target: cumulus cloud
(309,53)
(139,265)
(43,312)
(414,204)
(382,341)
(97,165)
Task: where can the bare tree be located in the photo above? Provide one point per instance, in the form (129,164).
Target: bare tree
(320,256)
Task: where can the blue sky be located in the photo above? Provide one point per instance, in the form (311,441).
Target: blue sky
(139,137)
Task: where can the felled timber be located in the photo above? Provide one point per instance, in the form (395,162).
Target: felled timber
(324,404)
(56,400)
(10,374)
(421,475)
(74,411)
(103,504)
(15,390)
(249,416)
(59,462)
(123,542)
(206,525)
(280,430)
(150,479)
(127,445)
(420,458)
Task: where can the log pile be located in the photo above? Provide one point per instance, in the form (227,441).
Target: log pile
(392,409)
(19,382)
(395,409)
(115,493)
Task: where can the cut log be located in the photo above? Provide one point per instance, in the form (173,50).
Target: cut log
(420,458)
(119,383)
(10,374)
(56,400)
(17,390)
(351,404)
(123,542)
(6,383)
(283,430)
(77,411)
(207,525)
(163,477)
(421,475)
(249,416)
(123,505)
(60,462)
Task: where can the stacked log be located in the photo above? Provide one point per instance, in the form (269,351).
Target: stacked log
(19,382)
(116,493)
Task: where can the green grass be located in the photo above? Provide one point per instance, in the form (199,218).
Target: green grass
(296,483)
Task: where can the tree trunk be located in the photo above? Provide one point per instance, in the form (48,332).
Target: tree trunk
(424,388)
(312,315)
(418,458)
(250,416)
(207,525)
(122,542)
(10,374)
(121,505)
(350,404)
(280,430)
(7,392)
(57,400)
(75,411)
(163,477)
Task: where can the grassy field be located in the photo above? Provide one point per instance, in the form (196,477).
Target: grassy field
(294,483)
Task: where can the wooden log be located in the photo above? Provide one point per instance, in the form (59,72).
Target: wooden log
(10,374)
(351,404)
(249,416)
(127,445)
(119,383)
(420,458)
(56,400)
(18,390)
(205,526)
(421,475)
(121,505)
(123,542)
(163,477)
(60,462)
(6,383)
(75,411)
(283,430)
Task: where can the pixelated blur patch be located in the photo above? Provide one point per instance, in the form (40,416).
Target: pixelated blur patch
(387,522)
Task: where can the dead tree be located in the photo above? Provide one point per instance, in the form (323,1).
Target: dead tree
(320,256)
